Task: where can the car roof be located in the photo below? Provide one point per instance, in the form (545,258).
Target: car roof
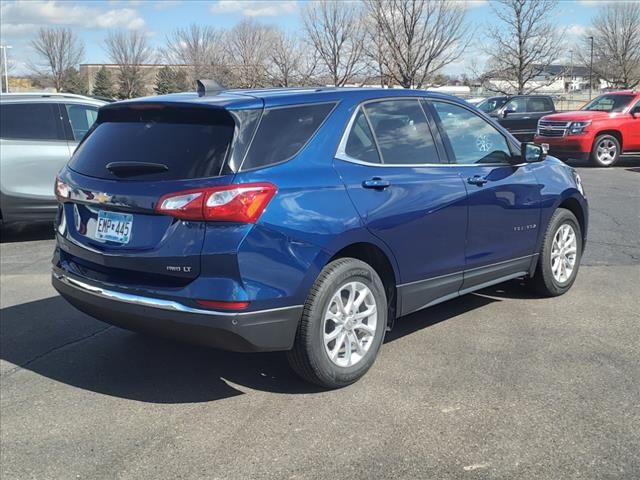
(40,97)
(237,99)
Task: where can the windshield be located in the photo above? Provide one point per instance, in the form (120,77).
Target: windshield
(609,103)
(490,104)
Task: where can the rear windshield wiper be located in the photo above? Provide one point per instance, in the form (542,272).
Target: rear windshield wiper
(135,168)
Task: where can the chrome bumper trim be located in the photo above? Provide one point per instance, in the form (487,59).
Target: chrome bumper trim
(152,302)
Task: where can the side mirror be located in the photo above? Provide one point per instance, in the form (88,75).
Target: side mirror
(507,112)
(635,111)
(532,153)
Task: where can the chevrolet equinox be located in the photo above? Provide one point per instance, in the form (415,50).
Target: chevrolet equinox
(305,220)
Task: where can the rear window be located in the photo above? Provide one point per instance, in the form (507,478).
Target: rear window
(191,143)
(283,132)
(30,121)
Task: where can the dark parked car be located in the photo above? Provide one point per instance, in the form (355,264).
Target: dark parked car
(519,114)
(305,220)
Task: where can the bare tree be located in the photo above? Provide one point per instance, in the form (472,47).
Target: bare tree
(288,62)
(375,51)
(616,44)
(60,49)
(248,45)
(200,48)
(418,37)
(335,30)
(522,44)
(130,50)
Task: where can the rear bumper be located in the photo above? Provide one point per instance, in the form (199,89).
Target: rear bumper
(265,330)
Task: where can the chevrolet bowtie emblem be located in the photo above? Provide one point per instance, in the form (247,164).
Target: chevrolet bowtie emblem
(102,197)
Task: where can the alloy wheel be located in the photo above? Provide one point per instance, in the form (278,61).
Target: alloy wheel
(606,151)
(564,253)
(350,324)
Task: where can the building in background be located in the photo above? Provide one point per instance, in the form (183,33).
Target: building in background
(557,79)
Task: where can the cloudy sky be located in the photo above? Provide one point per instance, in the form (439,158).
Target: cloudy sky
(92,18)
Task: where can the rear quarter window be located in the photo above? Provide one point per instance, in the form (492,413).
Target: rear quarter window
(283,132)
(30,121)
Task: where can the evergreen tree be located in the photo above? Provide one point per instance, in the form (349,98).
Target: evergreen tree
(170,81)
(103,85)
(181,82)
(72,82)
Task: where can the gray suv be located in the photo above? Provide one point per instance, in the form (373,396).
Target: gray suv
(38,134)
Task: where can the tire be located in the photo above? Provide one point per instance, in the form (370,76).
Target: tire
(548,279)
(605,151)
(310,357)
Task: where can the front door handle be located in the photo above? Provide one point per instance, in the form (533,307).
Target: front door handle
(376,183)
(477,180)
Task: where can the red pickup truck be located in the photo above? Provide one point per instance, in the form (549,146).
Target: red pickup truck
(604,129)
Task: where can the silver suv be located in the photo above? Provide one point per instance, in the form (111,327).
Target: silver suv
(38,134)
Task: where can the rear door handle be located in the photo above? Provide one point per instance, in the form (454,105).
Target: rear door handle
(477,180)
(376,183)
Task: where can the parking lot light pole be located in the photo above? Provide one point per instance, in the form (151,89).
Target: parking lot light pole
(591,69)
(6,66)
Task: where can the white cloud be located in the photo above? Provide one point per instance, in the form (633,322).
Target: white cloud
(254,8)
(576,30)
(166,4)
(123,17)
(40,13)
(475,3)
(601,3)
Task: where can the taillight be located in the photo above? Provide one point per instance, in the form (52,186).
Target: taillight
(243,203)
(62,190)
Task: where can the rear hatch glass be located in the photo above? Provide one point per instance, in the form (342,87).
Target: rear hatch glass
(152,142)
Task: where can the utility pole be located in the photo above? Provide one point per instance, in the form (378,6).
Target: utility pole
(591,70)
(571,76)
(6,66)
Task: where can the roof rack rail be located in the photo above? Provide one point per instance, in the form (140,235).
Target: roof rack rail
(207,88)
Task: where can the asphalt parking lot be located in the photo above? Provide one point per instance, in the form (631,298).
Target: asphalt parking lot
(495,385)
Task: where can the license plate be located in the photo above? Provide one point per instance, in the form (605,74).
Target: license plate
(114,227)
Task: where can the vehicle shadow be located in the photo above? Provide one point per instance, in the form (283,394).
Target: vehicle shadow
(623,162)
(26,232)
(52,339)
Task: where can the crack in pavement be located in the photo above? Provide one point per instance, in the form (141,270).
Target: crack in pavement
(52,350)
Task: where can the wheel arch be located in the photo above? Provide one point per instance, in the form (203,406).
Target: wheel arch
(613,133)
(378,259)
(574,206)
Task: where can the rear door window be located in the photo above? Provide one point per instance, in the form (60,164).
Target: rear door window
(190,143)
(30,121)
(81,117)
(282,133)
(539,104)
(402,132)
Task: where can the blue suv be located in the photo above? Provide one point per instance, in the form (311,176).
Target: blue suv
(305,220)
